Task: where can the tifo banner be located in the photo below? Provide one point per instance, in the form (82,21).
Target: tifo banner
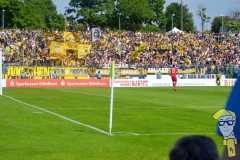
(69,42)
(44,72)
(68,72)
(51,37)
(50,83)
(122,72)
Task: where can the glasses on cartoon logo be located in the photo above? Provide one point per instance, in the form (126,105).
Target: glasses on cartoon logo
(229,122)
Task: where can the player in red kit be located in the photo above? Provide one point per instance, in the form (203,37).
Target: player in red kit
(173,72)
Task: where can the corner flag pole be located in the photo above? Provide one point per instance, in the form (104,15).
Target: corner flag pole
(112,74)
(0,71)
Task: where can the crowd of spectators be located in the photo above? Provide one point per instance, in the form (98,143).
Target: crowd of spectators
(206,52)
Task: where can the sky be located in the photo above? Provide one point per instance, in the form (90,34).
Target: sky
(214,8)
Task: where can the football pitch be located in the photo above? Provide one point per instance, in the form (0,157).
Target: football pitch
(73,123)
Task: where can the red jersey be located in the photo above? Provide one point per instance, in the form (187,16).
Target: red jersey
(173,72)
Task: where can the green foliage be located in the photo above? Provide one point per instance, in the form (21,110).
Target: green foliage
(106,13)
(79,27)
(32,14)
(216,24)
(93,13)
(151,28)
(233,25)
(175,8)
(220,21)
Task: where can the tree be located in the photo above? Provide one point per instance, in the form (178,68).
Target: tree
(233,26)
(234,14)
(93,13)
(143,12)
(175,8)
(133,14)
(217,24)
(32,14)
(232,20)
(11,9)
(201,13)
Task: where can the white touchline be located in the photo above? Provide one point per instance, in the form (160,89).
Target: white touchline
(58,115)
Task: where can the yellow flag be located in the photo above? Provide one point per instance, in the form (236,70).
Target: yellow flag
(57,50)
(71,37)
(138,51)
(83,50)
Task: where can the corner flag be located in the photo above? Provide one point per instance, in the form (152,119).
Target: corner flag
(112,70)
(112,75)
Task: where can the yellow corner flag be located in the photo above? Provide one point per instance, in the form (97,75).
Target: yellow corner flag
(112,71)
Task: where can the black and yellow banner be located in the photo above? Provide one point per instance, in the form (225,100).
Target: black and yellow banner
(70,41)
(71,37)
(45,72)
(138,51)
(57,50)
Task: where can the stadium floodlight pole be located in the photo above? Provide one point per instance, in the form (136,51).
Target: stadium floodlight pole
(237,42)
(112,74)
(3,18)
(172,19)
(119,21)
(65,19)
(222,23)
(181,15)
(0,71)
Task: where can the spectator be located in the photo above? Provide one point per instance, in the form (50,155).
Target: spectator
(141,76)
(99,75)
(127,76)
(205,76)
(183,76)
(23,47)
(159,75)
(54,75)
(194,148)
(237,71)
(23,76)
(116,75)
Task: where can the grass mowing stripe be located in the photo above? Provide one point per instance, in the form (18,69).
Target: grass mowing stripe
(89,94)
(158,134)
(86,94)
(61,116)
(123,108)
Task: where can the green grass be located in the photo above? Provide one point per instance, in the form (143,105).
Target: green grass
(146,121)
